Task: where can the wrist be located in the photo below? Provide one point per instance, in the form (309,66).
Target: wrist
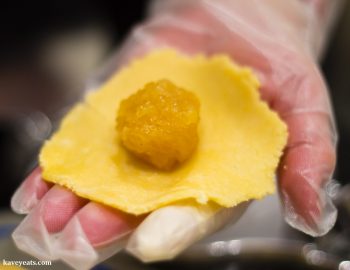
(302,24)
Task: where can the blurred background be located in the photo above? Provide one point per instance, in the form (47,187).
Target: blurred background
(48,49)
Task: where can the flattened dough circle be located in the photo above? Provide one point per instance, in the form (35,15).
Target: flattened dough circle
(241,140)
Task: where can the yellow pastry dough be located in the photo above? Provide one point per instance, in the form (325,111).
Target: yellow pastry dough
(240,140)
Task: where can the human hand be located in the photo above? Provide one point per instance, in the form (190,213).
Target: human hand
(278,42)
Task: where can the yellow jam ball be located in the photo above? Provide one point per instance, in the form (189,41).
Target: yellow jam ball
(159,124)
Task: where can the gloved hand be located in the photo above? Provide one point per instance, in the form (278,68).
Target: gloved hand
(280,41)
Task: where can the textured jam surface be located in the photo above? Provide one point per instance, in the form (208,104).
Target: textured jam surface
(159,124)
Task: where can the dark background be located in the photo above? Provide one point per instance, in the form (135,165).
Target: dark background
(37,40)
(42,40)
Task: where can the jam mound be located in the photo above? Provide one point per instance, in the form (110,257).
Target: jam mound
(159,124)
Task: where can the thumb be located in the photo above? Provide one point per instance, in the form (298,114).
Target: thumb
(169,230)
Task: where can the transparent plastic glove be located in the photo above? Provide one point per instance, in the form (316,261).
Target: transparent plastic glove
(280,41)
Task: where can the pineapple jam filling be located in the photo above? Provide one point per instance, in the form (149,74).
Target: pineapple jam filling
(159,124)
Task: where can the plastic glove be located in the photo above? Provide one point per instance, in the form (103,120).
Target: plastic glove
(280,41)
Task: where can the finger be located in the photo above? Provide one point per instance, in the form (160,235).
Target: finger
(309,158)
(307,165)
(95,233)
(30,192)
(58,206)
(169,230)
(37,232)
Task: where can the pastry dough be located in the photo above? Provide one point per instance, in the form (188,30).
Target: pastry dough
(240,140)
